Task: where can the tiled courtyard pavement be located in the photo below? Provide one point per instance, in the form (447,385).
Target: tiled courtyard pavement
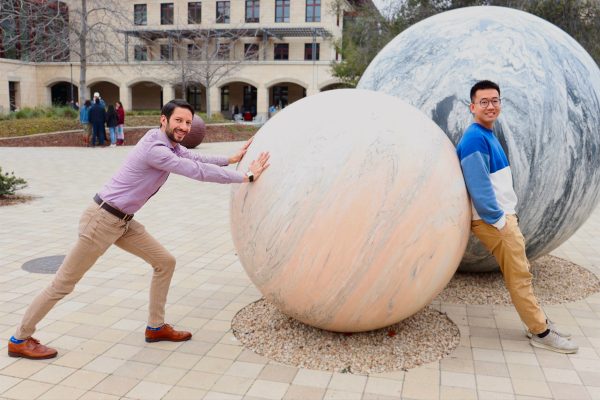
(99,328)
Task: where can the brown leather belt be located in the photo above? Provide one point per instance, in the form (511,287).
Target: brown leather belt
(117,213)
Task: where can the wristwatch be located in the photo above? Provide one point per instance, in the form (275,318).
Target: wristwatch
(250,176)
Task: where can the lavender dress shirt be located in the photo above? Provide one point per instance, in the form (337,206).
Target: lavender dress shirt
(148,165)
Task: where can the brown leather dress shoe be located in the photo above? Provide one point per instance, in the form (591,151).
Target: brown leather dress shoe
(32,349)
(166,332)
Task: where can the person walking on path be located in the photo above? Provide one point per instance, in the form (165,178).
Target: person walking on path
(112,120)
(110,220)
(121,125)
(97,117)
(84,118)
(489,182)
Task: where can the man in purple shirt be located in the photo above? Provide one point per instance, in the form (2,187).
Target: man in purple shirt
(109,220)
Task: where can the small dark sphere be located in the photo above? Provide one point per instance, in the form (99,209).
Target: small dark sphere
(196,134)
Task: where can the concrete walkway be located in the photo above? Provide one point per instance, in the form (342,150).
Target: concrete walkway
(99,328)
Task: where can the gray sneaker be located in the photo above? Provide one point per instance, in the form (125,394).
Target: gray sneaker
(552,327)
(553,342)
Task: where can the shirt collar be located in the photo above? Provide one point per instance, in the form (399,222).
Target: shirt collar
(163,138)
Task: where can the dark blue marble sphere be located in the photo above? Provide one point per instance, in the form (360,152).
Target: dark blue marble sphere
(550,120)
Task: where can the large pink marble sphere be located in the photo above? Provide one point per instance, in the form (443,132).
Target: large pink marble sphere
(362,217)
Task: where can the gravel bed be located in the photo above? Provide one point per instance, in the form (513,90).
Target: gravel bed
(425,337)
(555,281)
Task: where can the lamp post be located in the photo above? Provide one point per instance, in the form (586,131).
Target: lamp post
(72,102)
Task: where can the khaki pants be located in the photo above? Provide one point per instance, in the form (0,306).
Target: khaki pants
(98,230)
(509,250)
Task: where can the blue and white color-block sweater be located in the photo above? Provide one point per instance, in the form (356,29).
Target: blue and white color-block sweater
(487,175)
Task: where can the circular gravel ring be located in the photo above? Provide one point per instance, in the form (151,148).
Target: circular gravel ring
(555,281)
(425,337)
(43,265)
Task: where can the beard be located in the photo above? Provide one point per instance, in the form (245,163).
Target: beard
(171,134)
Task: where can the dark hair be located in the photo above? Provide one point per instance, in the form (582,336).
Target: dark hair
(119,103)
(481,85)
(87,103)
(111,109)
(168,108)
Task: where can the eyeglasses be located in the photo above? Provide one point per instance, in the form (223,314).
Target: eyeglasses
(496,101)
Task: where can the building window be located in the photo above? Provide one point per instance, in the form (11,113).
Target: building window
(313,10)
(225,98)
(166,13)
(13,95)
(251,51)
(249,104)
(140,53)
(308,51)
(194,12)
(166,52)
(193,96)
(223,51)
(282,10)
(194,52)
(280,96)
(252,11)
(140,14)
(281,51)
(223,12)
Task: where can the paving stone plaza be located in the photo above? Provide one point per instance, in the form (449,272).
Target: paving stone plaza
(99,328)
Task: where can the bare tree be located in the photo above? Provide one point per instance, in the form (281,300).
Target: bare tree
(207,56)
(50,30)
(32,32)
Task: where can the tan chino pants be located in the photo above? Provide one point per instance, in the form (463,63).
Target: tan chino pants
(98,230)
(508,248)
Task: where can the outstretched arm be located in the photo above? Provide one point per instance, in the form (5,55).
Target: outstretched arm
(237,157)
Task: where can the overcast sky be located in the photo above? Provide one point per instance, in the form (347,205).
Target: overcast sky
(385,5)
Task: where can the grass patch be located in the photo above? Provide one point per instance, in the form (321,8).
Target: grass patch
(29,121)
(30,126)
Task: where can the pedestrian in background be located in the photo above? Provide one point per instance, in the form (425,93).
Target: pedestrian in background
(112,120)
(121,125)
(84,118)
(97,117)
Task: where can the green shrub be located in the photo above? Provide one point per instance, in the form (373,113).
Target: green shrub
(63,112)
(9,183)
(142,112)
(42,112)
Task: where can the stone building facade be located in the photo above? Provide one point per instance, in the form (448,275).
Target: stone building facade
(278,51)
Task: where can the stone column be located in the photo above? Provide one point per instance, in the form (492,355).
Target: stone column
(262,102)
(215,99)
(125,96)
(168,93)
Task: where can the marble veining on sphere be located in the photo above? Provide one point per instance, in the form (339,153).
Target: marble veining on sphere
(549,125)
(362,217)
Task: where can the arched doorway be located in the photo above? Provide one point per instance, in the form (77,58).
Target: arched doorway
(238,95)
(109,92)
(61,93)
(146,96)
(285,93)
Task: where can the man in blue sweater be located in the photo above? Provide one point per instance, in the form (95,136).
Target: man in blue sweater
(489,181)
